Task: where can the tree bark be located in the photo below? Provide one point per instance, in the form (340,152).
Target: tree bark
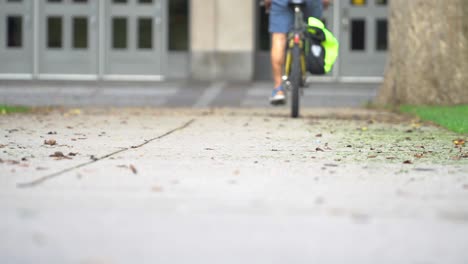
(428,55)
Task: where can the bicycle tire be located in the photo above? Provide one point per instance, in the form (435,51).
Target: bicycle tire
(295,78)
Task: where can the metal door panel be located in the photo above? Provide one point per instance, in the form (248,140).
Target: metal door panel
(130,59)
(68,59)
(16,37)
(368,61)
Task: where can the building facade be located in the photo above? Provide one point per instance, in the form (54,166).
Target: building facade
(172,39)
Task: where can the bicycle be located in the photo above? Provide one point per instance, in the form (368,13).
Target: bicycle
(310,47)
(294,69)
(295,63)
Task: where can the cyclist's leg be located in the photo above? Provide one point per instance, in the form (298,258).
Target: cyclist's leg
(280,23)
(278,49)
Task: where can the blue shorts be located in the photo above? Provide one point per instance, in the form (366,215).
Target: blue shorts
(281,15)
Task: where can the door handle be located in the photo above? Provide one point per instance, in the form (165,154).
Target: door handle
(345,19)
(27,21)
(345,23)
(157,13)
(92,21)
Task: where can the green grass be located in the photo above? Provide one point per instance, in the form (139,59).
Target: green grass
(5,109)
(454,118)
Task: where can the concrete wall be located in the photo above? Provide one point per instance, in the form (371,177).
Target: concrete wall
(222,39)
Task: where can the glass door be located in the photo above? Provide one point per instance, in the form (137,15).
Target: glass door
(16,37)
(68,43)
(363,39)
(134,37)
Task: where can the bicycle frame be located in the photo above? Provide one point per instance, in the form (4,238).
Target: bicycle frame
(295,37)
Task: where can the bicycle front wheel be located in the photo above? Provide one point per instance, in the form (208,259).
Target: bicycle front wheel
(295,78)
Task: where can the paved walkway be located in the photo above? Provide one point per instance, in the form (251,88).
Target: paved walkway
(174,94)
(230,186)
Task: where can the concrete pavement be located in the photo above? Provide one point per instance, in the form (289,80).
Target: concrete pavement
(175,94)
(230,186)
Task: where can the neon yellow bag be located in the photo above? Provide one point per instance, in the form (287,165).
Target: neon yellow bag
(322,49)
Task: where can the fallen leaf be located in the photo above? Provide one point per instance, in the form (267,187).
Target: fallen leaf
(416,125)
(59,155)
(418,155)
(390,158)
(372,156)
(319,149)
(407,162)
(318,135)
(72,154)
(75,111)
(459,142)
(133,169)
(349,146)
(50,142)
(364,128)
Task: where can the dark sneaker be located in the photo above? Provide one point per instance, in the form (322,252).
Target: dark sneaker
(278,96)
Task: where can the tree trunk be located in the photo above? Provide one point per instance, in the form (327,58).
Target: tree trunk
(428,56)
